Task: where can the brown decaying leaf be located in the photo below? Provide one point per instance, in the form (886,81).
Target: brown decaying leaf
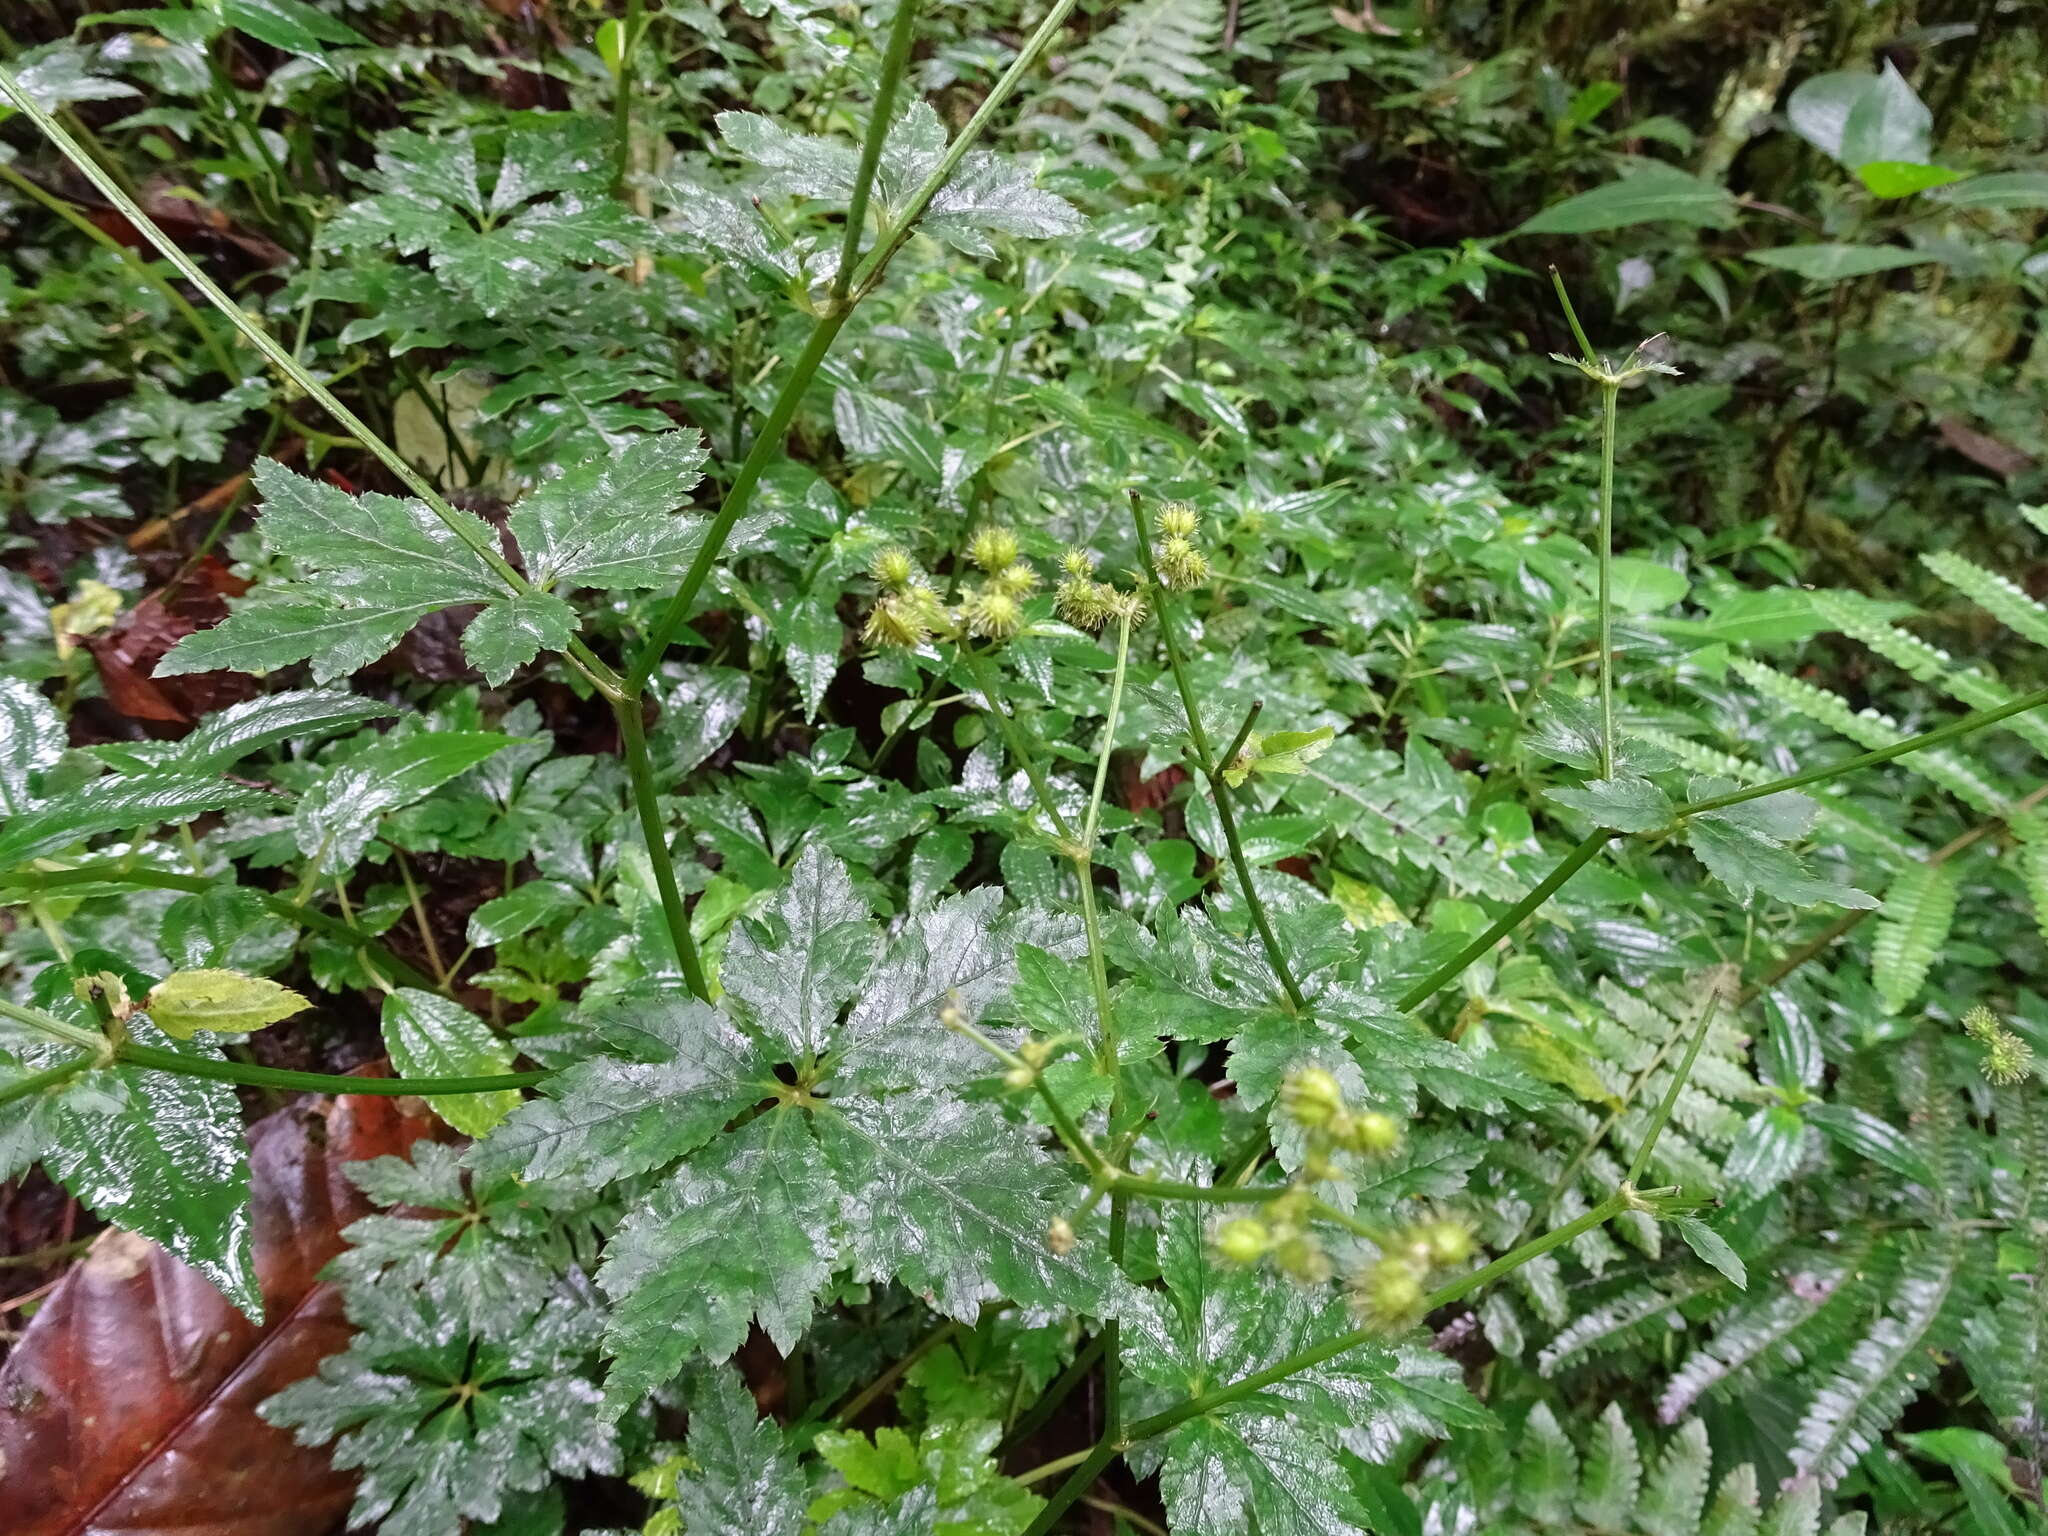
(128,1407)
(2000,458)
(127,654)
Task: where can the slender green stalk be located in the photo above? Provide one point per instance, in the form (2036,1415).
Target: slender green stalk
(640,770)
(862,1400)
(882,115)
(1509,921)
(1303,1360)
(906,219)
(1013,738)
(102,1050)
(1595,841)
(1205,760)
(1934,738)
(44,881)
(49,1077)
(768,442)
(320,1082)
(1678,1081)
(1049,1401)
(1608,395)
(1084,868)
(1610,390)
(622,97)
(1244,734)
(89,1040)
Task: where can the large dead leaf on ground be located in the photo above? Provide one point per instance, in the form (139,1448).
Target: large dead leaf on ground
(129,1406)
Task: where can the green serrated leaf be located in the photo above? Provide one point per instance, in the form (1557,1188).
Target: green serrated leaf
(221,1001)
(743,1230)
(430,1036)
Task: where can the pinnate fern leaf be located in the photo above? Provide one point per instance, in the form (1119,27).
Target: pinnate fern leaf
(1919,910)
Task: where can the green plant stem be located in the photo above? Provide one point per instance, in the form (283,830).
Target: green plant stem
(88,1040)
(1013,738)
(1049,1400)
(1934,738)
(320,1082)
(1608,395)
(1219,791)
(43,882)
(49,1077)
(1599,838)
(103,1050)
(1293,1365)
(906,219)
(902,29)
(1678,1081)
(862,1400)
(1084,869)
(646,802)
(481,541)
(768,442)
(1509,921)
(1244,734)
(622,98)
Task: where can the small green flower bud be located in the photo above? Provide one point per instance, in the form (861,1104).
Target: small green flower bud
(1125,607)
(1178,520)
(1059,1236)
(1081,601)
(2007,1058)
(1450,1242)
(1318,1167)
(1182,567)
(1301,1258)
(992,614)
(1243,1240)
(1078,563)
(1390,1292)
(1311,1097)
(1369,1132)
(993,549)
(1018,579)
(893,568)
(1019,1077)
(898,620)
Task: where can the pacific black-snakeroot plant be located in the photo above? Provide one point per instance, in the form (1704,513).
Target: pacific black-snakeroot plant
(1099,930)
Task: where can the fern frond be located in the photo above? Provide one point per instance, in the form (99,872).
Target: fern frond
(2032,831)
(1546,1470)
(1996,595)
(1776,1331)
(1795,1514)
(1612,1478)
(1676,1490)
(1856,617)
(1919,910)
(1872,730)
(1629,1315)
(2006,1350)
(1117,92)
(1887,1367)
(1736,1510)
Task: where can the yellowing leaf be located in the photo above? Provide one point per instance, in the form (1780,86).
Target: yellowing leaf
(188,1001)
(1279,752)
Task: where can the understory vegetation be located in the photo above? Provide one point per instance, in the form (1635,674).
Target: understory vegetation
(1198,766)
